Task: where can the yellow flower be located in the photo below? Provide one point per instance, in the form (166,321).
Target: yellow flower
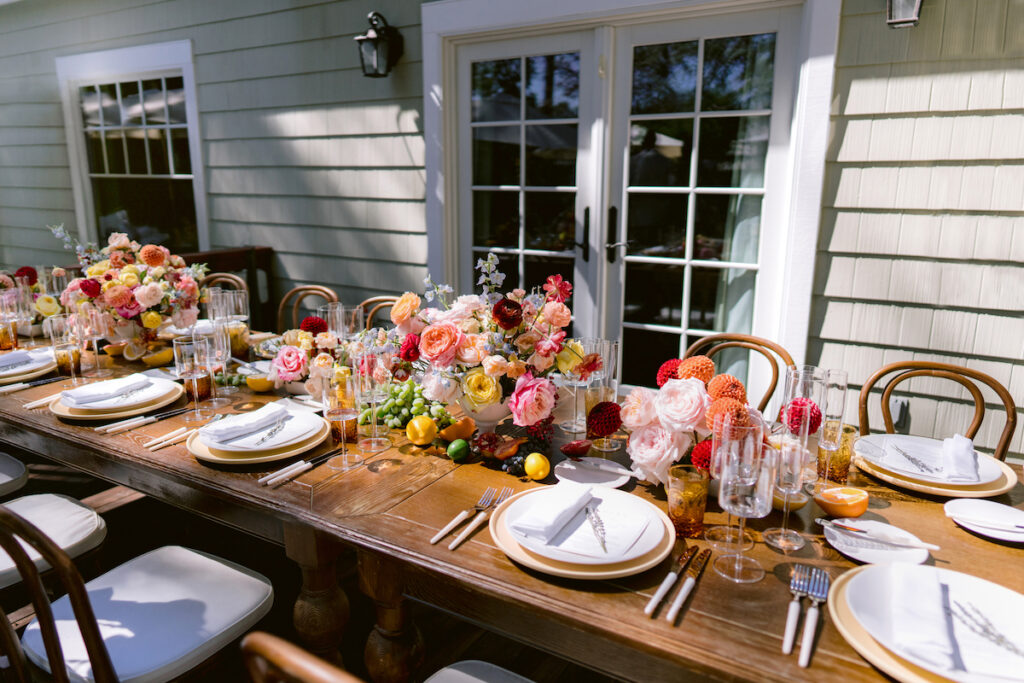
(47,305)
(305,341)
(480,389)
(570,356)
(157,272)
(130,268)
(108,284)
(151,320)
(129,279)
(98,268)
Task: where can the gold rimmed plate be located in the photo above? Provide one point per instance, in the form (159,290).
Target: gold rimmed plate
(61,410)
(31,374)
(995,488)
(201,451)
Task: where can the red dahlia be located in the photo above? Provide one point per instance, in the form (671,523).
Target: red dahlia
(668,371)
(507,313)
(29,272)
(313,324)
(90,287)
(794,415)
(604,419)
(410,351)
(701,455)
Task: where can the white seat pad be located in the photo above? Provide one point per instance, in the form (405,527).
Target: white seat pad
(160,614)
(13,474)
(73,526)
(475,671)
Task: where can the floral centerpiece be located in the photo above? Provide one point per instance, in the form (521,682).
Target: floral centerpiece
(43,304)
(138,286)
(307,356)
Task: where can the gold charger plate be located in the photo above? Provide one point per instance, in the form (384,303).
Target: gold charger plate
(31,374)
(201,451)
(866,646)
(508,545)
(61,410)
(993,488)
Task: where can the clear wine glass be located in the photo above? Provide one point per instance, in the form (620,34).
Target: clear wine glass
(67,346)
(219,346)
(341,400)
(355,322)
(579,383)
(831,426)
(94,325)
(748,478)
(26,312)
(373,371)
(189,360)
(725,538)
(793,457)
(333,313)
(58,283)
(605,387)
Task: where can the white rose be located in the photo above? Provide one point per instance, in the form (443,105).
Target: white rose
(681,405)
(653,449)
(438,387)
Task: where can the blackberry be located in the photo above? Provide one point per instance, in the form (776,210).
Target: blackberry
(515,465)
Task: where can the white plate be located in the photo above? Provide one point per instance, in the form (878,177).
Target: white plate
(568,470)
(872,449)
(986,510)
(611,505)
(873,552)
(37,360)
(299,425)
(871,593)
(157,388)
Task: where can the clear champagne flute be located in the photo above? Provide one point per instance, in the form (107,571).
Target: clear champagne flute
(189,355)
(94,325)
(807,383)
(373,371)
(58,283)
(333,313)
(793,458)
(341,400)
(605,387)
(26,313)
(354,322)
(831,427)
(579,383)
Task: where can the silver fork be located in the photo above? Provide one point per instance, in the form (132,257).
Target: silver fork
(485,501)
(798,584)
(817,592)
(480,518)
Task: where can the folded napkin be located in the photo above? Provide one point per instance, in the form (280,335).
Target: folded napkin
(102,391)
(921,626)
(13,358)
(240,425)
(959,461)
(623,527)
(551,511)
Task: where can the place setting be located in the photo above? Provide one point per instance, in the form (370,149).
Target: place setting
(116,398)
(273,432)
(987,518)
(20,366)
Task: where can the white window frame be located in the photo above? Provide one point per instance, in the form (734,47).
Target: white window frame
(127,64)
(449,24)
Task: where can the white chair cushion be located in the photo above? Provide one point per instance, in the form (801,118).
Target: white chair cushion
(475,671)
(160,615)
(73,526)
(13,474)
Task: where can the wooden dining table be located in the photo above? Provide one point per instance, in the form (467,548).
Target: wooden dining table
(388,509)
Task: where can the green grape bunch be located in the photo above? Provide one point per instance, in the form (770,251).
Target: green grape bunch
(405,401)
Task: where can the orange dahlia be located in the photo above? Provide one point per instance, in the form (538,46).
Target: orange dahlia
(724,407)
(726,386)
(700,367)
(152,255)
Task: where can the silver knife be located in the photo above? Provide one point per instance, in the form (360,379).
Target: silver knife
(670,580)
(692,574)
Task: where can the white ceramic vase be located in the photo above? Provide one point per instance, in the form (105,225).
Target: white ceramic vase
(488,417)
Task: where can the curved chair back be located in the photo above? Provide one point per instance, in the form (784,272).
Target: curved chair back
(12,529)
(964,376)
(218,279)
(375,304)
(295,297)
(269,659)
(714,343)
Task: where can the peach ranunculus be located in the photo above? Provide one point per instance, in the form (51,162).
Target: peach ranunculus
(527,340)
(532,401)
(681,404)
(638,408)
(118,296)
(119,240)
(556,313)
(149,295)
(495,366)
(406,307)
(516,368)
(653,449)
(540,362)
(472,350)
(440,342)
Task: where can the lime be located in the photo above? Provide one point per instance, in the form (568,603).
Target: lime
(537,466)
(421,430)
(458,450)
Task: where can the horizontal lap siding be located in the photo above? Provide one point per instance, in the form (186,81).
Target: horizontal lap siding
(921,253)
(302,153)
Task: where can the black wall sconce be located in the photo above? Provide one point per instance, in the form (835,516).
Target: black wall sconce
(902,13)
(380,47)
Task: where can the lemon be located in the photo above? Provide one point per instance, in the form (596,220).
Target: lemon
(135,350)
(114,349)
(537,466)
(421,430)
(259,383)
(156,359)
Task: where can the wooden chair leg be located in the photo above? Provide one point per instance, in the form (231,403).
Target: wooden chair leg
(394,649)
(321,611)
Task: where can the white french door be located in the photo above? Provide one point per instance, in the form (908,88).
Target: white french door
(646,162)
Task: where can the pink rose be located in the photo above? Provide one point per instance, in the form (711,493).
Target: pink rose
(540,362)
(289,365)
(188,286)
(653,449)
(549,346)
(556,313)
(119,240)
(148,295)
(440,387)
(638,408)
(495,366)
(681,404)
(532,401)
(440,342)
(129,311)
(472,350)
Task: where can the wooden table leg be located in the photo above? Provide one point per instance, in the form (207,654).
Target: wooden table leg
(321,610)
(394,650)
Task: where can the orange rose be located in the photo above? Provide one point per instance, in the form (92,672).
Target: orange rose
(472,350)
(406,307)
(440,342)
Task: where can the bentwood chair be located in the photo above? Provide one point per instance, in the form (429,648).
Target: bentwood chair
(374,305)
(295,298)
(218,279)
(152,618)
(270,659)
(964,376)
(714,343)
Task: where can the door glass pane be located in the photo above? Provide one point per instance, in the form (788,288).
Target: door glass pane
(158,152)
(495,219)
(496,87)
(90,105)
(176,100)
(664,78)
(551,155)
(538,268)
(722,299)
(496,155)
(643,352)
(657,225)
(550,220)
(732,151)
(153,99)
(654,295)
(552,86)
(727,228)
(738,73)
(659,153)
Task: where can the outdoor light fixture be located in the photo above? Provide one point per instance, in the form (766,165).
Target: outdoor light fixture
(380,47)
(902,13)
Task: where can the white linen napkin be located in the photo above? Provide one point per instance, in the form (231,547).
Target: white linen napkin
(13,358)
(240,425)
(959,461)
(551,511)
(623,527)
(101,391)
(921,627)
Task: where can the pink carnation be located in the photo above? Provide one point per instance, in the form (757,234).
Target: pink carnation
(532,400)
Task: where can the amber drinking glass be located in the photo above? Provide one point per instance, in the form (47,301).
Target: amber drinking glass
(687,499)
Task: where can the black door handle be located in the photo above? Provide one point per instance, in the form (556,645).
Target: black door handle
(611,246)
(585,244)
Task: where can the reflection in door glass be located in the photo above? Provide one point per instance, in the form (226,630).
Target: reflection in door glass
(660,153)
(496,90)
(738,73)
(732,151)
(552,86)
(722,299)
(727,228)
(664,78)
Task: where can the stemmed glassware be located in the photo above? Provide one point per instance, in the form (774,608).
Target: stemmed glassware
(218,354)
(725,538)
(190,357)
(67,346)
(579,383)
(832,424)
(94,325)
(8,320)
(793,458)
(604,387)
(748,478)
(806,382)
(373,372)
(353,323)
(341,400)
(26,311)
